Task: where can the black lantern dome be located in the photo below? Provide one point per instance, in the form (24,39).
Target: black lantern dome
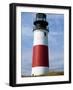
(40,22)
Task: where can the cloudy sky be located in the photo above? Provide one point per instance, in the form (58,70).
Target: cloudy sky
(55,39)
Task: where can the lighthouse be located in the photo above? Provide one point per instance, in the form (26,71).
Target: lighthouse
(40,58)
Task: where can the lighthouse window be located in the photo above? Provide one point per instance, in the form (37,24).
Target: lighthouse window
(44,33)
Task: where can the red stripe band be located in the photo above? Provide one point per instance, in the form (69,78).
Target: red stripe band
(40,56)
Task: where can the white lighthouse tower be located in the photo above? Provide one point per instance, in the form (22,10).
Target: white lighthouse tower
(40,58)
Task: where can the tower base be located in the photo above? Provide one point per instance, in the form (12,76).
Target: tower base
(40,71)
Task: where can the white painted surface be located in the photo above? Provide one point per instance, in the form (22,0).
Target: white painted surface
(39,70)
(40,38)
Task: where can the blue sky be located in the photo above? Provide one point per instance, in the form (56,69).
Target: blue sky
(55,39)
